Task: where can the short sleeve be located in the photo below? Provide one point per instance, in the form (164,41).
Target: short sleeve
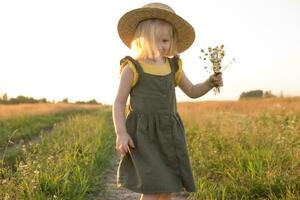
(178,74)
(132,67)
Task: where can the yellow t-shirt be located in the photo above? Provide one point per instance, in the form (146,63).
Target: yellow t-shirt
(151,69)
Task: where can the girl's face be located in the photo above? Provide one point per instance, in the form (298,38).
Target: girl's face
(163,40)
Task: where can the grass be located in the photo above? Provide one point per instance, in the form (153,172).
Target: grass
(68,164)
(23,122)
(13,111)
(26,127)
(244,150)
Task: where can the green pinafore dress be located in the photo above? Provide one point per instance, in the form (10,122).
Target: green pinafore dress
(159,163)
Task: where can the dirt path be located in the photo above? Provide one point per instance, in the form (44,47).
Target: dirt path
(115,193)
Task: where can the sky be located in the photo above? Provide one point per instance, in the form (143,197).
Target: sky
(71,49)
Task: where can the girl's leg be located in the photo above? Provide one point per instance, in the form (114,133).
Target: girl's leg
(149,197)
(166,196)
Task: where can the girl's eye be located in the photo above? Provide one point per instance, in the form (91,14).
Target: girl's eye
(165,40)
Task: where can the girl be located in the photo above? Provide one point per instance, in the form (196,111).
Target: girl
(151,139)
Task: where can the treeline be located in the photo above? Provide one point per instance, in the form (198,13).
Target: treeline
(23,99)
(257,94)
(93,101)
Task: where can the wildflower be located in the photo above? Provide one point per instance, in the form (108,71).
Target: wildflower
(50,158)
(215,56)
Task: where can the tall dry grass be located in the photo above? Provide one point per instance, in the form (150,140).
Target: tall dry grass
(10,111)
(229,114)
(245,149)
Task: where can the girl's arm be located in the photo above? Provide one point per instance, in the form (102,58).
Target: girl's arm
(198,90)
(123,140)
(121,99)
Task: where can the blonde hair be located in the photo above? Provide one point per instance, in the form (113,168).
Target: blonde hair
(144,40)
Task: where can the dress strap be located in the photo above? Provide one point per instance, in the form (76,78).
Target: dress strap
(174,65)
(135,63)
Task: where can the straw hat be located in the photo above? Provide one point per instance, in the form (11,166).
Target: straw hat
(129,21)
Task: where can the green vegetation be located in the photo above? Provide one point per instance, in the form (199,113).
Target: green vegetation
(66,164)
(26,127)
(4,99)
(246,156)
(257,94)
(246,150)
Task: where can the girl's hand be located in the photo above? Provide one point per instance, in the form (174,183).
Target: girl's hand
(122,142)
(216,80)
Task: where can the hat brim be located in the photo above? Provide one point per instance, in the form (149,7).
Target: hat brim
(129,21)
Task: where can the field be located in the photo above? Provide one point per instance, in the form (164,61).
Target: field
(68,159)
(239,150)
(12,111)
(246,149)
